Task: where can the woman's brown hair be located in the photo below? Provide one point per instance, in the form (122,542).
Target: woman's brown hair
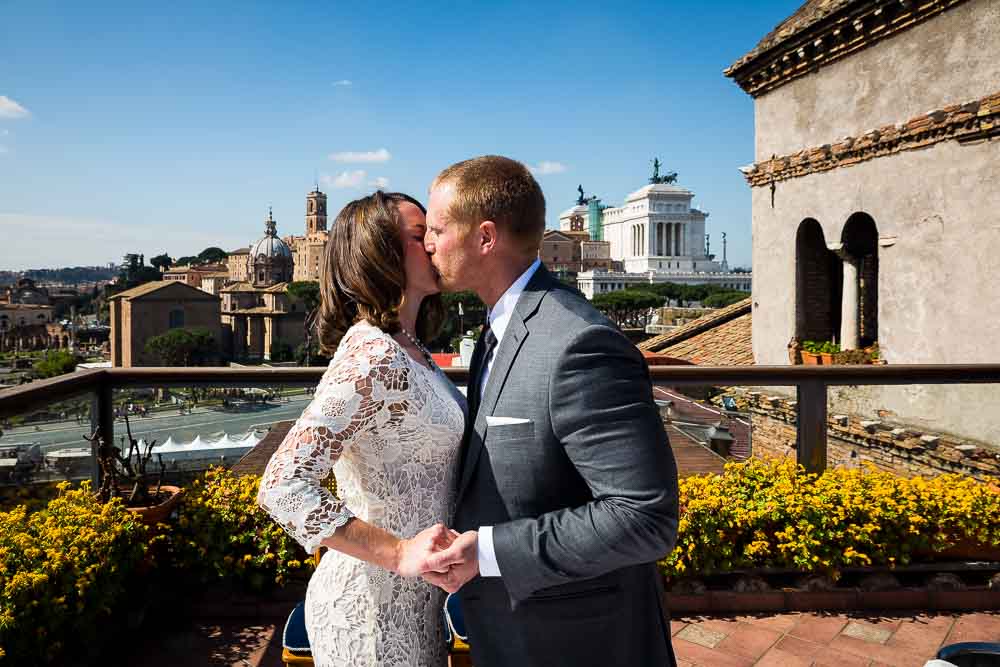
(362,276)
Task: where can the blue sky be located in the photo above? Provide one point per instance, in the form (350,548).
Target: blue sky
(135,127)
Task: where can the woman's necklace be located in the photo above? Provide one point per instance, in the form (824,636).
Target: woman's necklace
(420,346)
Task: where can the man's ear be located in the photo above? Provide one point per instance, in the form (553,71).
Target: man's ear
(487,237)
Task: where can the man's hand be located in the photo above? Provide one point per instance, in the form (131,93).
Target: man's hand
(451,568)
(412,557)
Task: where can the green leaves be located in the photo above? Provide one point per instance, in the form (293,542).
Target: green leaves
(183,347)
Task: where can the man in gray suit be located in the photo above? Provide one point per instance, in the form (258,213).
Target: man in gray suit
(568,487)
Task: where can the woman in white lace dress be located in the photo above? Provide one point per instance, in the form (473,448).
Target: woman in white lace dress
(388,424)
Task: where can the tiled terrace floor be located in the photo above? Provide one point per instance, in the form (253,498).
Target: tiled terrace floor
(782,640)
(818,639)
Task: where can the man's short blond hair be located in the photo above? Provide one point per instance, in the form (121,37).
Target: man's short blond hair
(497,188)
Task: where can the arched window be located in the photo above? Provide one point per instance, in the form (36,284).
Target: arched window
(176,318)
(818,284)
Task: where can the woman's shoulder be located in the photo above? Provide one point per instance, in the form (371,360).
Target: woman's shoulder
(367,341)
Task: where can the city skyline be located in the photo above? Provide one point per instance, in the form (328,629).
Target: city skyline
(174,131)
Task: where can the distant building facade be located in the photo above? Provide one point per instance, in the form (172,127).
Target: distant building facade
(193,275)
(592,283)
(258,315)
(238,266)
(155,308)
(573,252)
(657,236)
(25,291)
(307,250)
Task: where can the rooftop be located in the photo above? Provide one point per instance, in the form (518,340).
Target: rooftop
(658,189)
(806,16)
(713,346)
(148,288)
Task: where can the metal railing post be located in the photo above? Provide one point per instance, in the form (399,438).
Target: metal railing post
(102,417)
(810,425)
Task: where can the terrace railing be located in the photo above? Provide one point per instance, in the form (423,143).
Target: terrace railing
(811,384)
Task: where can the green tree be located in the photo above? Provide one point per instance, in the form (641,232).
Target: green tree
(282,351)
(212,255)
(306,291)
(723,299)
(627,308)
(183,347)
(473,316)
(161,262)
(187,260)
(56,362)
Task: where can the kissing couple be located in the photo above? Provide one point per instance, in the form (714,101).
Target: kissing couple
(543,501)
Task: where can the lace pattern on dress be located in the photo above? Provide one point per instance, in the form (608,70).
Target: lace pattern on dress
(390,430)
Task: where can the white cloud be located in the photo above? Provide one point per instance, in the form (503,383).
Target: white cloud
(547,167)
(344,83)
(11,109)
(380,182)
(346,179)
(381,155)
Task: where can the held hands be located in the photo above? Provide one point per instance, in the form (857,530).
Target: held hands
(451,568)
(442,557)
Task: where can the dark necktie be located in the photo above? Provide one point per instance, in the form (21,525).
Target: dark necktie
(490,341)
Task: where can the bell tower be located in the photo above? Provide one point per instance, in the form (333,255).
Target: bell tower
(315,212)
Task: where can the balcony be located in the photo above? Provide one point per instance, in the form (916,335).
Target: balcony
(208,637)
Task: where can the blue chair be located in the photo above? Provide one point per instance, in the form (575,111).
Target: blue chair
(295,648)
(455,633)
(971,654)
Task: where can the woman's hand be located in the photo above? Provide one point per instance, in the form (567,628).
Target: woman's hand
(413,554)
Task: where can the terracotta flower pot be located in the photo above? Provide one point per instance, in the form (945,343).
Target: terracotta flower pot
(810,359)
(155,514)
(826,359)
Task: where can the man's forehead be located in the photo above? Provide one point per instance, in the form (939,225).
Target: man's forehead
(440,201)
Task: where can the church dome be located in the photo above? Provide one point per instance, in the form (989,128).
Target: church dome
(270,247)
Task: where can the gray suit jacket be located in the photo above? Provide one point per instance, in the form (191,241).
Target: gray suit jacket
(582,498)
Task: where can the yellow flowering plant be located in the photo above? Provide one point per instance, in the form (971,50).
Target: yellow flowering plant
(63,568)
(768,513)
(223,534)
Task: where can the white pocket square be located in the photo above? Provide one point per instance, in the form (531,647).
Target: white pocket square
(505,421)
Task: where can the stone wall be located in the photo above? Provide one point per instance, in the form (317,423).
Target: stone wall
(937,212)
(852,441)
(947,59)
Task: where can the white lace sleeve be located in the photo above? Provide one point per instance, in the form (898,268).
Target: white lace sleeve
(348,403)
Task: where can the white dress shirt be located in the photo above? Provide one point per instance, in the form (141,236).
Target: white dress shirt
(499,317)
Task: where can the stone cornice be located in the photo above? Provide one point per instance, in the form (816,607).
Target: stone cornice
(857,26)
(971,121)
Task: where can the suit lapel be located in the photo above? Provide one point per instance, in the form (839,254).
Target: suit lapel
(505,355)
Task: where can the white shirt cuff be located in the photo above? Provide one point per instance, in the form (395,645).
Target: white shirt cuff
(488,566)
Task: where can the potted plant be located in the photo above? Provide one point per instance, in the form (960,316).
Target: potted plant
(826,351)
(128,477)
(852,357)
(811,353)
(874,354)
